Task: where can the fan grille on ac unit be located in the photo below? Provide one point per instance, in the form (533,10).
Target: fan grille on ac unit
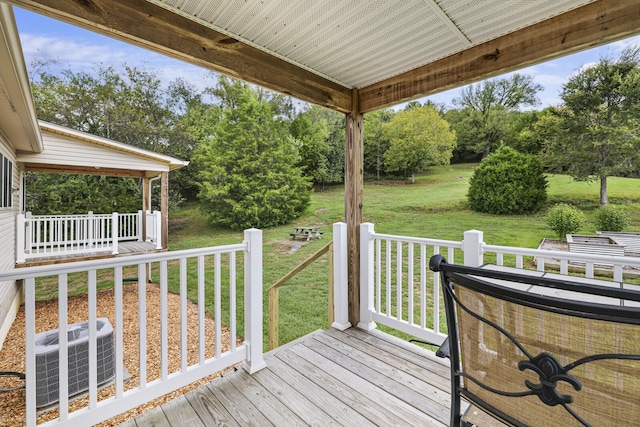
(47,360)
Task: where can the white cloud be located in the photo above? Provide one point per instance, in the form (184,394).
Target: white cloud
(68,52)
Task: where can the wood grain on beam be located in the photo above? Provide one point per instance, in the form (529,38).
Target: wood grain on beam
(594,24)
(83,170)
(155,28)
(354,200)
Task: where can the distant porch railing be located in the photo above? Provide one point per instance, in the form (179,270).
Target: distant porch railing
(398,290)
(53,235)
(213,268)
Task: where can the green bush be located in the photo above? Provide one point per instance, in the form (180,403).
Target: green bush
(564,219)
(508,182)
(610,218)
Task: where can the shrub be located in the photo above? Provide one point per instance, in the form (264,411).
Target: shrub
(610,218)
(508,182)
(564,219)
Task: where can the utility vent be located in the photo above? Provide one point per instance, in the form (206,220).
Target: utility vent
(47,358)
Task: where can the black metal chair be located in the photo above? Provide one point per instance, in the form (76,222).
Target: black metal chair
(535,351)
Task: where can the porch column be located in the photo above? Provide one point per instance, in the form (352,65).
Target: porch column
(146,205)
(353,198)
(164,208)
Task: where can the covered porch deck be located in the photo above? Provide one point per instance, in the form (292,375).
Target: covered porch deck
(331,377)
(124,249)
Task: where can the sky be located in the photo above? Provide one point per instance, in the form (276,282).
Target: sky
(80,50)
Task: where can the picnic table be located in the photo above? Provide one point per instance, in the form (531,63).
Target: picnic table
(305,233)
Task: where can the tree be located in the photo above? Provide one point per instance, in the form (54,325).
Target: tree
(484,120)
(508,182)
(130,107)
(247,170)
(418,138)
(311,139)
(334,123)
(600,128)
(374,144)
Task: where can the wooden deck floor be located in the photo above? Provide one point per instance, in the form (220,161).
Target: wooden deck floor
(327,378)
(124,249)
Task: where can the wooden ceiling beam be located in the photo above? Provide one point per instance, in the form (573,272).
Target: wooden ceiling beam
(87,170)
(152,27)
(597,23)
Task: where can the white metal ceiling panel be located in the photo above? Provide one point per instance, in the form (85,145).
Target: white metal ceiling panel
(359,42)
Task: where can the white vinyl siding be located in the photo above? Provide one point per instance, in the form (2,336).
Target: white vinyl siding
(8,290)
(64,150)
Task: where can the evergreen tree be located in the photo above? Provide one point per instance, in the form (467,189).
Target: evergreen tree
(248,170)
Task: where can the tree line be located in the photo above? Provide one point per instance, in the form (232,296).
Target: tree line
(255,154)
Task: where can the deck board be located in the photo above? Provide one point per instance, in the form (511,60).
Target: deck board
(327,378)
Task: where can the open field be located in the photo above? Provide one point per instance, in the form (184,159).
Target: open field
(435,206)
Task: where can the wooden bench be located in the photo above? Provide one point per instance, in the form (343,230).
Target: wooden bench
(306,233)
(533,350)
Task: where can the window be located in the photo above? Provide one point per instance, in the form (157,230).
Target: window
(6,182)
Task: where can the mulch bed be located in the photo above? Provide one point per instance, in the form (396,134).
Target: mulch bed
(12,355)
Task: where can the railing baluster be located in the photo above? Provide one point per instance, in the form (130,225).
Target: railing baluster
(164,320)
(388,279)
(201,301)
(183,314)
(410,283)
(423,286)
(63,352)
(378,275)
(142,324)
(217,303)
(93,351)
(119,330)
(436,291)
(398,280)
(232,297)
(30,347)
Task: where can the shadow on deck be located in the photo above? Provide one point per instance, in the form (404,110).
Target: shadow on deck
(350,378)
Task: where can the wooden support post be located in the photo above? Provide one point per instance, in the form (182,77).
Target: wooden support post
(146,205)
(274,329)
(164,208)
(353,196)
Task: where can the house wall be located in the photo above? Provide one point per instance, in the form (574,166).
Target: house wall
(11,295)
(65,150)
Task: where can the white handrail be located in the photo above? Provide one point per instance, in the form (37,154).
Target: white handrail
(173,267)
(53,235)
(393,266)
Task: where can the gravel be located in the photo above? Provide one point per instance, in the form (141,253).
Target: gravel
(12,355)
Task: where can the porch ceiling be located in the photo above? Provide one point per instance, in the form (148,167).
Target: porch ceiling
(74,152)
(389,51)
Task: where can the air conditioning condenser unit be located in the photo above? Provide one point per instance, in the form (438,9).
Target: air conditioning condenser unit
(47,360)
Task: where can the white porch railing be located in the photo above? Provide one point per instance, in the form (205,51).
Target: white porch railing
(52,235)
(172,267)
(398,290)
(154,227)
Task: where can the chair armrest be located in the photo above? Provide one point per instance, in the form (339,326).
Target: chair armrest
(443,351)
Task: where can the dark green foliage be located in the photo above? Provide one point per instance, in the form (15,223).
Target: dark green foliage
(610,218)
(564,219)
(508,182)
(600,132)
(128,106)
(76,194)
(248,173)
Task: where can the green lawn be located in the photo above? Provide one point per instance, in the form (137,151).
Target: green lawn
(435,207)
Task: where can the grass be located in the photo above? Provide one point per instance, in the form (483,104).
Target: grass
(435,206)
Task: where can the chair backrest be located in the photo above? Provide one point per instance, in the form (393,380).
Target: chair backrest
(534,351)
